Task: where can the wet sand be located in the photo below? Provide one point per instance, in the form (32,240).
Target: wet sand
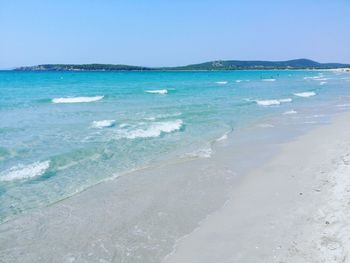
(290,206)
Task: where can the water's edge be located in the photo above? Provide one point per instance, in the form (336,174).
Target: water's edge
(170,206)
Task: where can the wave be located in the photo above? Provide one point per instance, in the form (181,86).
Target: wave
(271,80)
(221,82)
(77,99)
(22,172)
(152,131)
(323,83)
(123,125)
(157,91)
(290,112)
(305,94)
(272,102)
(103,124)
(238,80)
(286,100)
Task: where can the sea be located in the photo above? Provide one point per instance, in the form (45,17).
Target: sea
(64,132)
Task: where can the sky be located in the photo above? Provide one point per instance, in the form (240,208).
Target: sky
(169,33)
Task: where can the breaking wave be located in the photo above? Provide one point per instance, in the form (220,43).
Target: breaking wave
(77,99)
(21,172)
(272,102)
(103,124)
(305,94)
(152,131)
(158,91)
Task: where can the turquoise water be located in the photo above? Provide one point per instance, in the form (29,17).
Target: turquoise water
(61,132)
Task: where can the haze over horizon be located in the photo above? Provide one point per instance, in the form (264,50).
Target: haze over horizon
(155,33)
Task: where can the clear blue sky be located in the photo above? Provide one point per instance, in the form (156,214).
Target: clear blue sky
(161,32)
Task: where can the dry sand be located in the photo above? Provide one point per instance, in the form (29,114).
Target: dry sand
(296,208)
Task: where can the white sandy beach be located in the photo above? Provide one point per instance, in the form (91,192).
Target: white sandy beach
(175,131)
(295,208)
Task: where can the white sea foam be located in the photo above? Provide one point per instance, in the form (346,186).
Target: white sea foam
(221,82)
(123,125)
(238,80)
(222,138)
(153,130)
(21,172)
(157,91)
(290,112)
(268,102)
(305,94)
(200,153)
(103,124)
(286,100)
(77,99)
(323,83)
(269,80)
(272,102)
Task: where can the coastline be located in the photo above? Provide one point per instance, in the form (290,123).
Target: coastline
(294,208)
(175,132)
(340,70)
(115,222)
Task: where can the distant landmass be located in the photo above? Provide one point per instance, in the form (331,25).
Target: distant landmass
(207,66)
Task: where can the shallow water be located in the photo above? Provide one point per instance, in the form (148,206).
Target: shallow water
(61,132)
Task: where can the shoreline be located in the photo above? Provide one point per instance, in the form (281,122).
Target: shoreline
(58,233)
(295,208)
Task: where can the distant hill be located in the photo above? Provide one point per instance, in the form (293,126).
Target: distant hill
(212,66)
(81,67)
(240,64)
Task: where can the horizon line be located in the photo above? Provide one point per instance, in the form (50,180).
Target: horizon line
(155,67)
